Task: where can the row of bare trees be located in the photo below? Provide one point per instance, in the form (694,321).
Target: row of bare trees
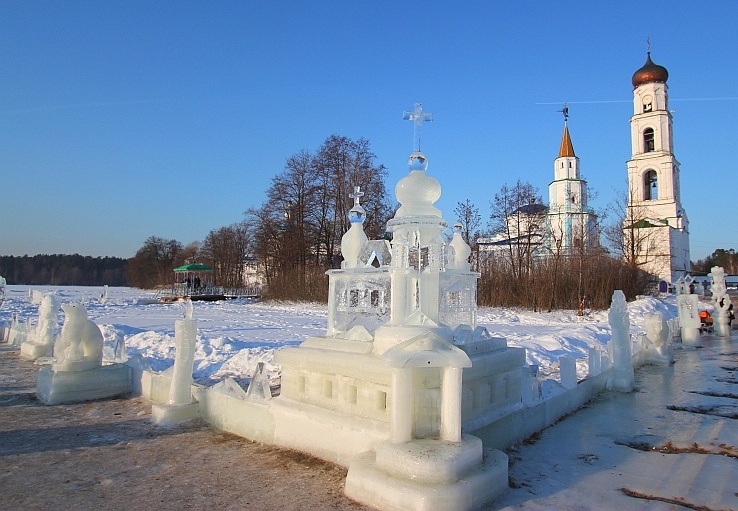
(294,234)
(225,249)
(727,259)
(532,268)
(152,265)
(298,229)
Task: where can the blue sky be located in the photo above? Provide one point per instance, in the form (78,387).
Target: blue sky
(122,120)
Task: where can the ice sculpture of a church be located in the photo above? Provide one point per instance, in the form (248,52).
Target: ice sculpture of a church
(403,364)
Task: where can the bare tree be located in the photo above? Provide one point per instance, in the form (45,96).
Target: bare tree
(343,164)
(226,250)
(468,215)
(266,224)
(188,254)
(632,233)
(298,230)
(519,214)
(153,263)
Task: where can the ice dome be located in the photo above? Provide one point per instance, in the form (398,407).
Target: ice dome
(417,192)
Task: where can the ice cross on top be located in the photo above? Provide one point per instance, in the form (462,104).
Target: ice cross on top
(357,195)
(418,117)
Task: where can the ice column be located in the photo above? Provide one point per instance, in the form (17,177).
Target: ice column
(180,406)
(623,376)
(568,371)
(185,333)
(594,362)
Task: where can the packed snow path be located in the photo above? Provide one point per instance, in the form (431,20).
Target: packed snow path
(672,441)
(106,455)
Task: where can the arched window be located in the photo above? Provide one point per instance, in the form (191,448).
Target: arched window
(648,143)
(650,185)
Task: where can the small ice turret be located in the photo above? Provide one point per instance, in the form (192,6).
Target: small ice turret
(355,237)
(462,251)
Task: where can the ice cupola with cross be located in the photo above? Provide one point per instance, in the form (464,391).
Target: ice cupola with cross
(431,284)
(420,279)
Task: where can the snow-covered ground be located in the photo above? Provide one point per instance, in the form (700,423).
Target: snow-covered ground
(670,444)
(235,335)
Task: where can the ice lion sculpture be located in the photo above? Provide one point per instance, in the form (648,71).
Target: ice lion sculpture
(657,333)
(80,343)
(40,342)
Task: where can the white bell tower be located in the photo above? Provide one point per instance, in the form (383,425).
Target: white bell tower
(572,225)
(656,226)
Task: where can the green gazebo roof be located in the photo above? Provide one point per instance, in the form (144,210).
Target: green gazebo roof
(194,267)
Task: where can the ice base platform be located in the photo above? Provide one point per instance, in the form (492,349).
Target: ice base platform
(428,475)
(56,387)
(164,414)
(34,351)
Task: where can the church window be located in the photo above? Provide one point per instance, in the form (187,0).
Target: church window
(650,185)
(648,140)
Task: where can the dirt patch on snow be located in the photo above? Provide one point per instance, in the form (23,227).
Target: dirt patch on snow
(108,455)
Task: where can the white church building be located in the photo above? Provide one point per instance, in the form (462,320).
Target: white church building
(565,227)
(656,227)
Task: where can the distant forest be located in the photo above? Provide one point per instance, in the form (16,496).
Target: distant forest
(64,270)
